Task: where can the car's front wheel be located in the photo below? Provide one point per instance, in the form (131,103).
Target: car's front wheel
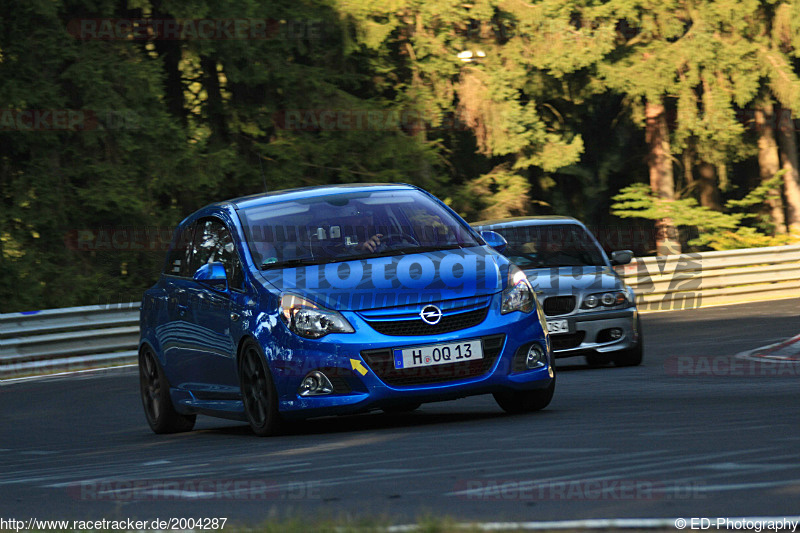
(154,388)
(632,356)
(258,391)
(525,401)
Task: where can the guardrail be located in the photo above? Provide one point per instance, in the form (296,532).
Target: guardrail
(77,338)
(74,338)
(689,281)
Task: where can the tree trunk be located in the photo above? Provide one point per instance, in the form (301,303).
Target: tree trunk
(662,180)
(687,158)
(707,187)
(171,52)
(769,162)
(789,162)
(215,107)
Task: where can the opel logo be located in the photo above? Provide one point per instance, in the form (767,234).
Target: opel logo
(431,314)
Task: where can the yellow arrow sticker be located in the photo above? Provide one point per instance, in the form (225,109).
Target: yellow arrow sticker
(357,366)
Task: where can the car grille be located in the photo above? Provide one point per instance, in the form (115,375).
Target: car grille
(416,326)
(565,342)
(558,305)
(382,363)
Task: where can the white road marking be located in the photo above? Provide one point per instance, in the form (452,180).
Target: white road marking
(93,372)
(379,471)
(614,473)
(37,452)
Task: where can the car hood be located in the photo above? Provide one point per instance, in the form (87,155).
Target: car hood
(573,280)
(394,281)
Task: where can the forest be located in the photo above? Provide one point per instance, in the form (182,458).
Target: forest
(665,125)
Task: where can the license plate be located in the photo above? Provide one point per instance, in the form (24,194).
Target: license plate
(438,354)
(558,326)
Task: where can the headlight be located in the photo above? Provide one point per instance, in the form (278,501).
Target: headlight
(607,299)
(518,296)
(309,320)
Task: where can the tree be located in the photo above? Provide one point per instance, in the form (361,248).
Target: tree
(692,63)
(524,65)
(779,40)
(716,230)
(85,144)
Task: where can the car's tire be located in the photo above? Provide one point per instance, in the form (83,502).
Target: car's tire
(154,389)
(597,360)
(258,391)
(632,356)
(515,402)
(402,408)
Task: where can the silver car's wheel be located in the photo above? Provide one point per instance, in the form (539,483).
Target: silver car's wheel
(632,356)
(154,388)
(597,360)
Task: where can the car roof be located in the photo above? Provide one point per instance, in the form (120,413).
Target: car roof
(271,197)
(528,221)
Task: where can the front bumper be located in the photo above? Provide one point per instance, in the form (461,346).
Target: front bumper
(588,333)
(360,387)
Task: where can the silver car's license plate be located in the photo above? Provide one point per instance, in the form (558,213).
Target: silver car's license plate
(438,354)
(558,326)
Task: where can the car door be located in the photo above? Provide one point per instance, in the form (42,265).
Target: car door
(171,332)
(210,359)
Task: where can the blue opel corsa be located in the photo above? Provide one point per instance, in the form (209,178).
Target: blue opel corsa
(336,300)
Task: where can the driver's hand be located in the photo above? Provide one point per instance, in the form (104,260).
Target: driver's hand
(372,243)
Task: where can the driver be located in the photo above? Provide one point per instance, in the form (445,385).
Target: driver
(364,224)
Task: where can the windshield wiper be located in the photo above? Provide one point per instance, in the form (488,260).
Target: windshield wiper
(300,261)
(429,248)
(406,251)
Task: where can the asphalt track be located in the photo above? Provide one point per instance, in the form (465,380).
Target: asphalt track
(694,431)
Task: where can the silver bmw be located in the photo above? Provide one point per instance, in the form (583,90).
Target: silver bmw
(590,311)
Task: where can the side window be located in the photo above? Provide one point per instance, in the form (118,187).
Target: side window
(213,243)
(178,257)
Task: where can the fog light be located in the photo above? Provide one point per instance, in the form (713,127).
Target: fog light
(536,357)
(615,333)
(314,384)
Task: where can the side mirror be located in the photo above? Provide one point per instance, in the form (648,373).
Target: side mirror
(213,275)
(495,240)
(621,257)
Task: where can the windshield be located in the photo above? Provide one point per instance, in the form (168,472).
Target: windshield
(350,225)
(553,245)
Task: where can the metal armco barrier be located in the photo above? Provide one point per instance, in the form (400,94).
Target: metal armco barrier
(78,338)
(75,338)
(689,281)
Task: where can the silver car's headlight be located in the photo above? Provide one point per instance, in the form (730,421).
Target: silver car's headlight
(518,296)
(605,300)
(310,320)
